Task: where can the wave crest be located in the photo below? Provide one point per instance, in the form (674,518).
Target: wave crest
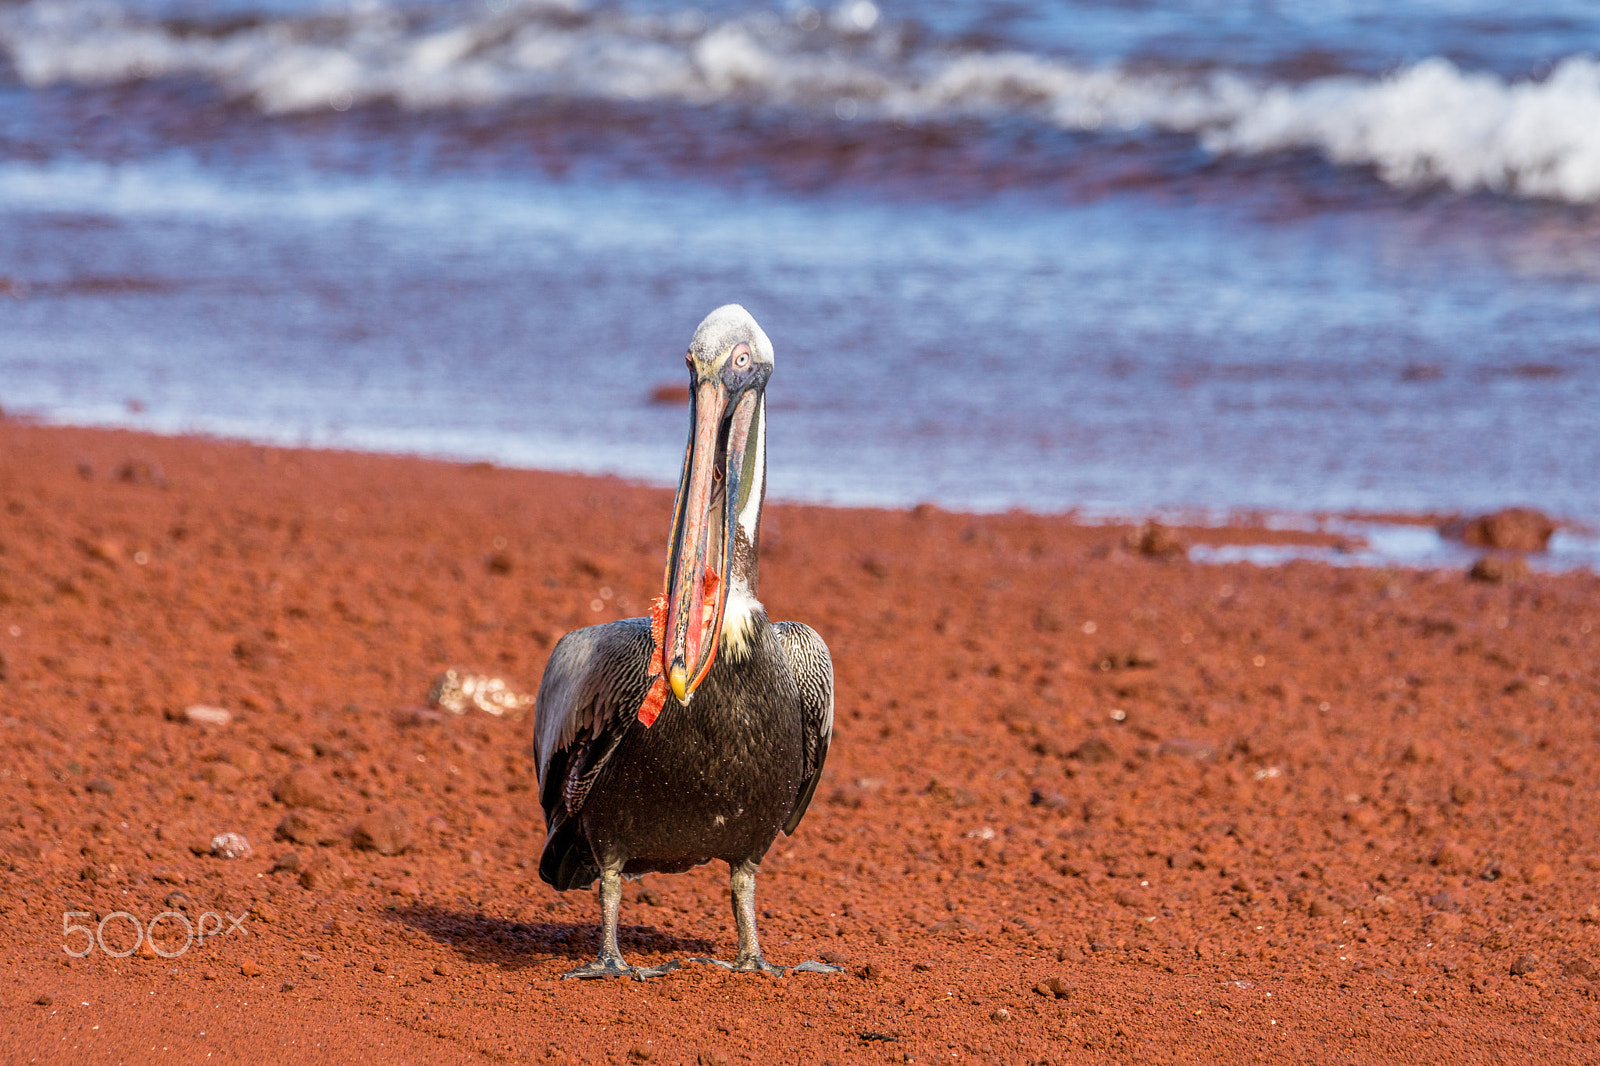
(1428,123)
(1433,123)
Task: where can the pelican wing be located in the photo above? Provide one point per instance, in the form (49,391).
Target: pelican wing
(812,669)
(594,675)
(594,682)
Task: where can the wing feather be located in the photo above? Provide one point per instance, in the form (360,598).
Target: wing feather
(812,669)
(595,679)
(592,686)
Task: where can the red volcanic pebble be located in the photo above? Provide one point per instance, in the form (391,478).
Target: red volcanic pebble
(387,832)
(305,787)
(304,827)
(1087,801)
(1518,529)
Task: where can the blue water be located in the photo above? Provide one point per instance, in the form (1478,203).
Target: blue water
(1125,259)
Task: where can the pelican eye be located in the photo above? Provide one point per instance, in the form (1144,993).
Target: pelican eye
(741,357)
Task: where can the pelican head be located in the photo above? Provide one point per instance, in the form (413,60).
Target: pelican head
(716,521)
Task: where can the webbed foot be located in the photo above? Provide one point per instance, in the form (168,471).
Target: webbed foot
(812,966)
(747,964)
(614,966)
(644,973)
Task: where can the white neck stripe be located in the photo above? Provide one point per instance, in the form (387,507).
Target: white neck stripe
(750,513)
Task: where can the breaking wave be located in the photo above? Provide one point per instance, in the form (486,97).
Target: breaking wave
(1425,124)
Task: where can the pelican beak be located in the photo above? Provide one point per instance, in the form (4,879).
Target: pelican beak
(704,522)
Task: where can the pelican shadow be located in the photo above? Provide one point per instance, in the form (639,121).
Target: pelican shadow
(513,945)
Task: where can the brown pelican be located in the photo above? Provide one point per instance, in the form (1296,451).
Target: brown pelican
(699,732)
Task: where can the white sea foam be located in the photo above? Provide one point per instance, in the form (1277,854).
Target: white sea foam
(1429,122)
(1432,122)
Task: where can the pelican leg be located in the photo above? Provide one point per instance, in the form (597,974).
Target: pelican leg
(742,885)
(610,962)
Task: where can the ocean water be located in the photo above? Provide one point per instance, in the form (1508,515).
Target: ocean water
(1182,256)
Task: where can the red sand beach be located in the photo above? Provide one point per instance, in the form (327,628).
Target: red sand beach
(1083,804)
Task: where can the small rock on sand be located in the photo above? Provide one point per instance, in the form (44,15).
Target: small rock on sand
(459,691)
(1055,988)
(387,831)
(1515,529)
(202,714)
(305,788)
(1050,801)
(231,846)
(1525,964)
(303,827)
(327,873)
(1156,541)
